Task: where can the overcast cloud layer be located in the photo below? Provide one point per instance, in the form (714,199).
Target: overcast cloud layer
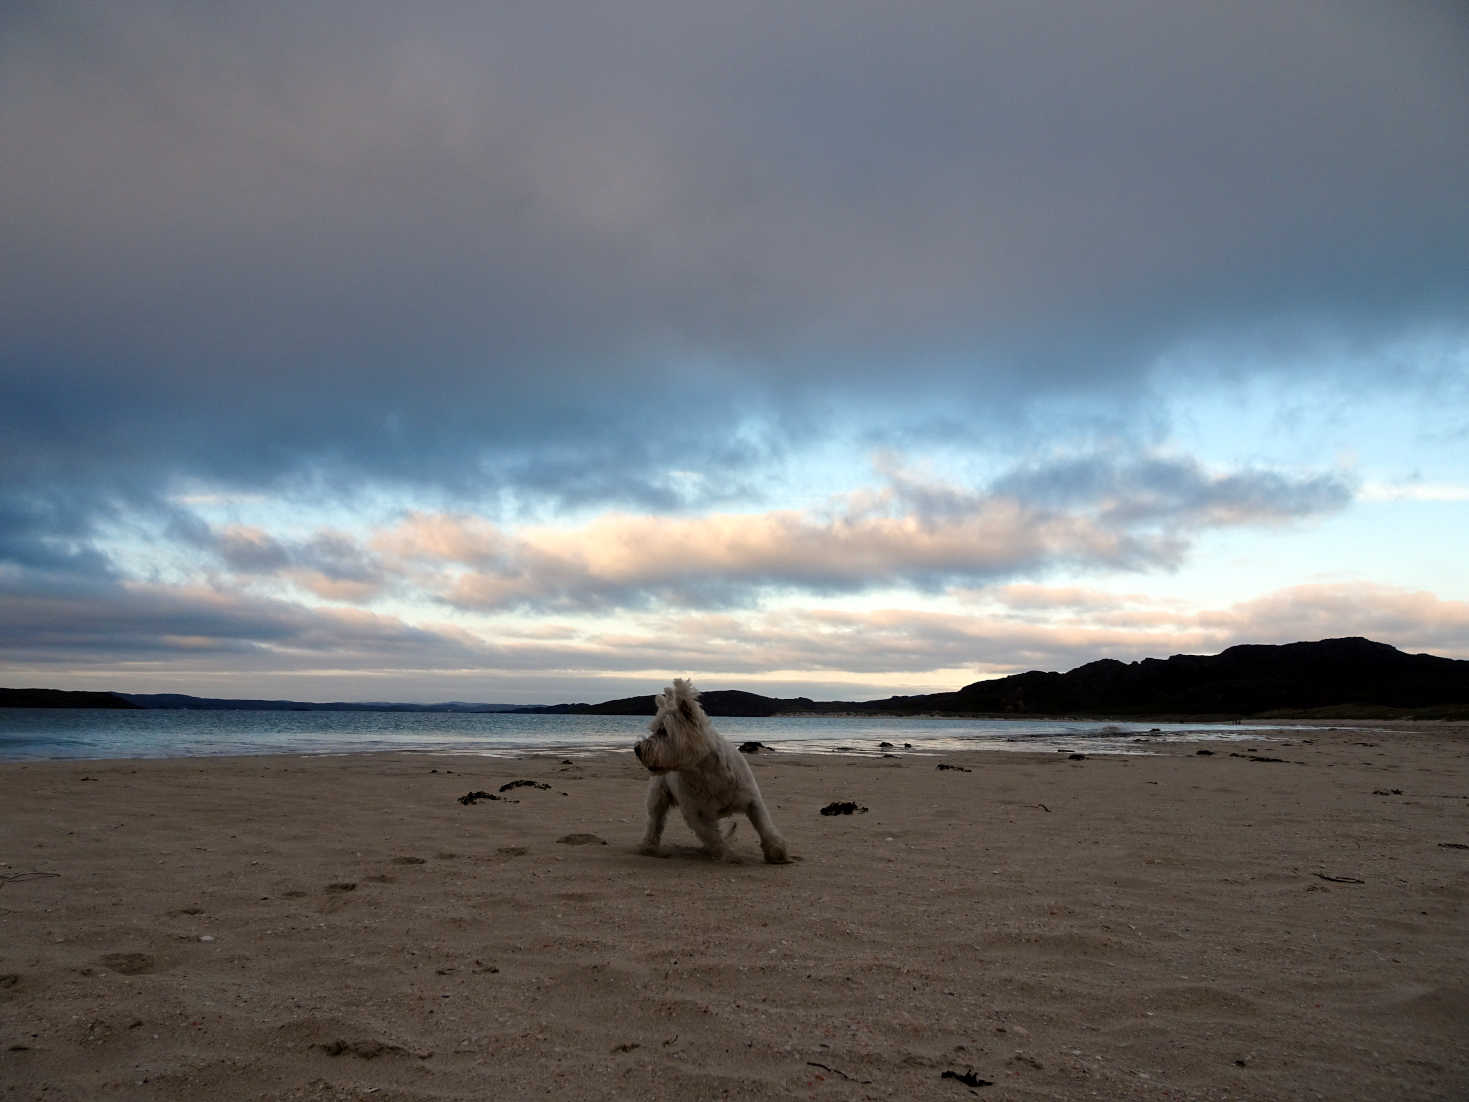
(512,350)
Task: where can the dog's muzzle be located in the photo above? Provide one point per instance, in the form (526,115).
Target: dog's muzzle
(651,768)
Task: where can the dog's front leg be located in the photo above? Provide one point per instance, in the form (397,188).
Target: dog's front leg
(771,843)
(660,799)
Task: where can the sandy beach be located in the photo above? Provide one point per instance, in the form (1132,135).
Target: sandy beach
(1280,919)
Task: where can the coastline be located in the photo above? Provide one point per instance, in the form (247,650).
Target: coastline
(78,734)
(1234,924)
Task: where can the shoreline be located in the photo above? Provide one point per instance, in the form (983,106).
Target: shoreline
(1135,926)
(165,735)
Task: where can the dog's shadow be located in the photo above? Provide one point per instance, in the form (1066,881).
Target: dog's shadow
(674,850)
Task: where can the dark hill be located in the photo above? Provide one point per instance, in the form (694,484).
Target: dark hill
(1348,676)
(60,698)
(719,702)
(1244,680)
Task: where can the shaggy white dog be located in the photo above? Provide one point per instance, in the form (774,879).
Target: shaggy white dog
(695,769)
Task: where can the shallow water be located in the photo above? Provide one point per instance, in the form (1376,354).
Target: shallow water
(28,734)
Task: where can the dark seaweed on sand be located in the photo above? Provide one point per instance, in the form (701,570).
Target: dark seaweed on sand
(969,1079)
(470,797)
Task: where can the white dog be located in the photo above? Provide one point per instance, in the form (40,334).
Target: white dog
(697,770)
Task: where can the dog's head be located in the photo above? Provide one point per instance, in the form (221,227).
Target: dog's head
(679,734)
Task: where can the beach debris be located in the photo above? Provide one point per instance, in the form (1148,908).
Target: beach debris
(1387,792)
(626,1046)
(512,851)
(410,861)
(1452,845)
(470,797)
(508,785)
(10,979)
(1341,879)
(582,840)
(843,807)
(943,765)
(756,748)
(1204,753)
(1258,757)
(968,1078)
(342,886)
(1044,808)
(1077,757)
(885,746)
(837,1071)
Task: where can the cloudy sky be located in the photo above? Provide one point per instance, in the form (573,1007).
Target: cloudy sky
(538,352)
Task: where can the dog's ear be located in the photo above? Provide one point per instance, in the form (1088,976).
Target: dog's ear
(688,699)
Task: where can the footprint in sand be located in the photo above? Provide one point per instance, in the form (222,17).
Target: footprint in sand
(129,964)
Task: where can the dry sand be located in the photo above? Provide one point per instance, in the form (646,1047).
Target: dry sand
(1172,926)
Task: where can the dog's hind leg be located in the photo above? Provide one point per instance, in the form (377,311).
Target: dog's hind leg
(771,843)
(708,832)
(660,799)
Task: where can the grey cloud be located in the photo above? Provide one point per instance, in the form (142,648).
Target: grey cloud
(45,535)
(254,553)
(477,248)
(1133,490)
(328,563)
(72,625)
(145,625)
(339,558)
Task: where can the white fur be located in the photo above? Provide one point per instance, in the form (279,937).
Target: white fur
(698,771)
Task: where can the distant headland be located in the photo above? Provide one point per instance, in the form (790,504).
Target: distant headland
(1330,678)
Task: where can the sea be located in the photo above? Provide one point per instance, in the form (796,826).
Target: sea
(37,734)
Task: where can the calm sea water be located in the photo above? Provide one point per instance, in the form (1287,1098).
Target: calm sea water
(28,734)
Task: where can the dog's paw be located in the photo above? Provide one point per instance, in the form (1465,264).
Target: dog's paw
(652,849)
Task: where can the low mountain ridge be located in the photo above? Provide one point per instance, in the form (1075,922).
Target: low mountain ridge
(1338,677)
(1246,680)
(1250,679)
